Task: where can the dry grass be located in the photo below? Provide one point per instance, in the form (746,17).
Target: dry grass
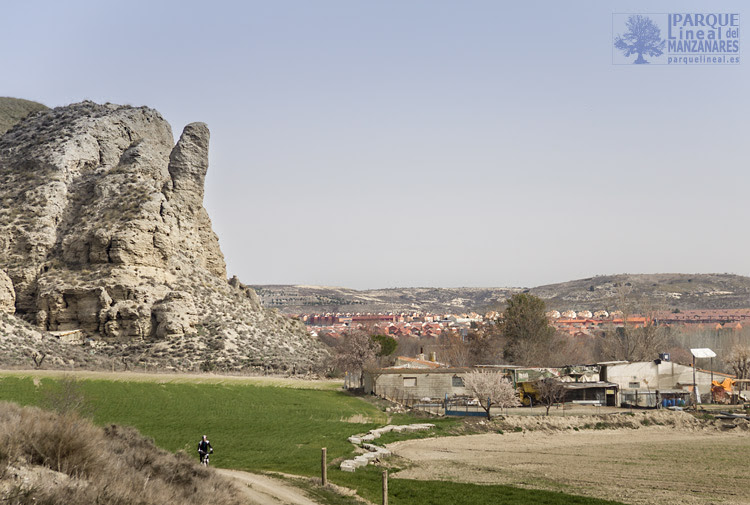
(181,378)
(51,458)
(13,110)
(652,458)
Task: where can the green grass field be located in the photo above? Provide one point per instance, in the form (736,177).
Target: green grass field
(259,427)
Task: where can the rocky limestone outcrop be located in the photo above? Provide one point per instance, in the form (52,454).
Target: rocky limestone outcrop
(103,229)
(7,294)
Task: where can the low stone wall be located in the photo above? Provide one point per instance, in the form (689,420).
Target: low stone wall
(374,452)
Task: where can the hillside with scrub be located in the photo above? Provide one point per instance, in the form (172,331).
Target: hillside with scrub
(48,457)
(13,110)
(667,291)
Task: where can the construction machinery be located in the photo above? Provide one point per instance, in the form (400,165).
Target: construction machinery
(528,394)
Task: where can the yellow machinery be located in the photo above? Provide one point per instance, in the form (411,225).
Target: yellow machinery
(527,393)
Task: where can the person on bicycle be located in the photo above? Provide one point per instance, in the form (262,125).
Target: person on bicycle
(204,448)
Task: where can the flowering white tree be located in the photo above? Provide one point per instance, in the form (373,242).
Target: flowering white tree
(491,389)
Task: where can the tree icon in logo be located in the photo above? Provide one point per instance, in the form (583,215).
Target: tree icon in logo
(643,37)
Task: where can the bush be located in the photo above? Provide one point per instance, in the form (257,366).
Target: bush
(65,443)
(66,396)
(111,466)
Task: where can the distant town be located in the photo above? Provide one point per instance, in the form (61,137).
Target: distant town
(575,324)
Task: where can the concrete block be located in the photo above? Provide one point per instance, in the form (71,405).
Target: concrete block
(371,456)
(360,461)
(355,440)
(382,431)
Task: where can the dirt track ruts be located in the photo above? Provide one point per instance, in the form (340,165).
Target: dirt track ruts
(264,490)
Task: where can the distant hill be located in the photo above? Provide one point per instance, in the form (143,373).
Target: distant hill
(657,291)
(309,299)
(12,110)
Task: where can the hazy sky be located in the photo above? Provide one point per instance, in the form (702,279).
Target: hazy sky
(419,143)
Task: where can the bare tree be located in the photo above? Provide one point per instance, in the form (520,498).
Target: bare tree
(634,342)
(739,359)
(453,349)
(38,358)
(357,349)
(491,388)
(66,396)
(550,391)
(569,350)
(631,343)
(486,345)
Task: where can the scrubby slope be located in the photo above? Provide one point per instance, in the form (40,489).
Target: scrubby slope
(658,291)
(23,346)
(322,299)
(51,458)
(13,110)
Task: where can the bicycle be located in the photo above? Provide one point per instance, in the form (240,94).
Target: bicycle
(205,456)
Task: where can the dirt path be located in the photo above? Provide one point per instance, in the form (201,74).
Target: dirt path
(643,466)
(264,490)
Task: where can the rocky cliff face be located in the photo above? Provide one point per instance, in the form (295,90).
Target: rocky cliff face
(7,294)
(103,229)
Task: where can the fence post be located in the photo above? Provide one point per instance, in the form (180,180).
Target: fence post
(323,467)
(385,487)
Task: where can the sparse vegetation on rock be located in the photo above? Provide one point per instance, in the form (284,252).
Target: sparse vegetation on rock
(13,110)
(103,229)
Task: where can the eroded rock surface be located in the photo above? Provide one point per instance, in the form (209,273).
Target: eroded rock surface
(103,229)
(7,294)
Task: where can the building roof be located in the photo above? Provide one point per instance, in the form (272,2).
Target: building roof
(589,385)
(416,371)
(420,362)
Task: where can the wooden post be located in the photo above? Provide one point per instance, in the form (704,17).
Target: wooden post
(695,387)
(323,468)
(385,487)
